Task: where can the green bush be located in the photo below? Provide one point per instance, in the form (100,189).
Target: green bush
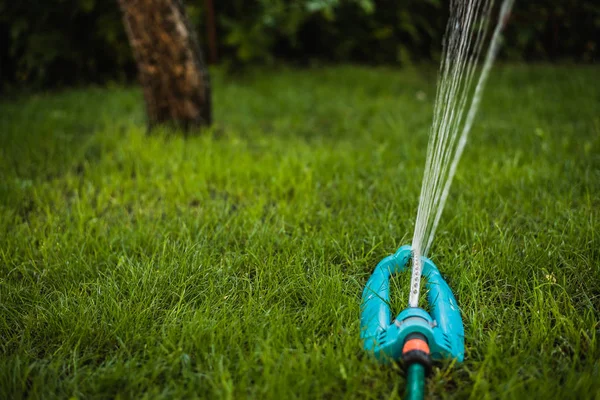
(63,41)
(554,30)
(72,41)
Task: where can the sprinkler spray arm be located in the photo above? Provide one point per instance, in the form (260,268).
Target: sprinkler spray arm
(415,336)
(443,329)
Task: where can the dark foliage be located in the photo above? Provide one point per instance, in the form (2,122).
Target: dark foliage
(73,41)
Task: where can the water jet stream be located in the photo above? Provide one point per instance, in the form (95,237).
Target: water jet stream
(463,43)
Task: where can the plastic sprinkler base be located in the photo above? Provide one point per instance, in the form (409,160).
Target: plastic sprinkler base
(415,336)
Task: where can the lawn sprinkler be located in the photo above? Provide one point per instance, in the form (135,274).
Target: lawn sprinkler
(415,337)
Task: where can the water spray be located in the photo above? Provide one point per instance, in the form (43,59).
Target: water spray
(416,337)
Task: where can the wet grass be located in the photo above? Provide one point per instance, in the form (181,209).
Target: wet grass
(230,264)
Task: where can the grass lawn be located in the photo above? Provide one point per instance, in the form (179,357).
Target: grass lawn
(231,264)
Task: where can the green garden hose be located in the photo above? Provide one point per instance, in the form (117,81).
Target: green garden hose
(415,382)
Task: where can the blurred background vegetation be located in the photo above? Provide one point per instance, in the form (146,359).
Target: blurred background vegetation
(64,42)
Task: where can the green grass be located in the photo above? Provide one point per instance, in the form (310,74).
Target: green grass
(231,264)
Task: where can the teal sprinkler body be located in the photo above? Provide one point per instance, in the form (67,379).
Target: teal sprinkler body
(415,336)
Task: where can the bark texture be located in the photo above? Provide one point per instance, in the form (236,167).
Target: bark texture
(172,72)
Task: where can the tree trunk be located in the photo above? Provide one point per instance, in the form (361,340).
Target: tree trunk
(172,73)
